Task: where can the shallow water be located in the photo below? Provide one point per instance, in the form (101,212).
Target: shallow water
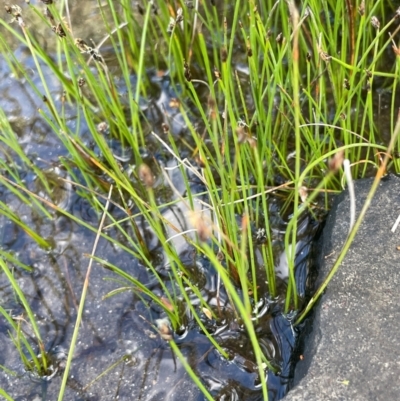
(119,327)
(118,332)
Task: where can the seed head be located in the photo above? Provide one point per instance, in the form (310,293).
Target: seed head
(336,162)
(202,228)
(375,22)
(224,54)
(146,176)
(186,69)
(303,192)
(165,128)
(361,8)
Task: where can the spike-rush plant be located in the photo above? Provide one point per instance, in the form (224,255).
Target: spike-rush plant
(265,100)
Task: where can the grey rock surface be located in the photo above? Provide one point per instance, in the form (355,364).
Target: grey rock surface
(353,350)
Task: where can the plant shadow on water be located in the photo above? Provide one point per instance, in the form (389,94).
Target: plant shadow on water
(124,349)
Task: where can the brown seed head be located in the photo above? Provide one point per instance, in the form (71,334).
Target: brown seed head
(165,128)
(336,161)
(164,329)
(241,134)
(202,228)
(224,54)
(186,69)
(361,8)
(303,192)
(146,175)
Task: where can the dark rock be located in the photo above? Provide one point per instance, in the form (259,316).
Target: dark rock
(352,352)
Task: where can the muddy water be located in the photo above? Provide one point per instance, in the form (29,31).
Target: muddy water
(117,336)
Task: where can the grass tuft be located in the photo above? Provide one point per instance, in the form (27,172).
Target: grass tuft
(214,113)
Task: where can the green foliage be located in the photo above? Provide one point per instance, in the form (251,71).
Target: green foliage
(267,94)
(37,364)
